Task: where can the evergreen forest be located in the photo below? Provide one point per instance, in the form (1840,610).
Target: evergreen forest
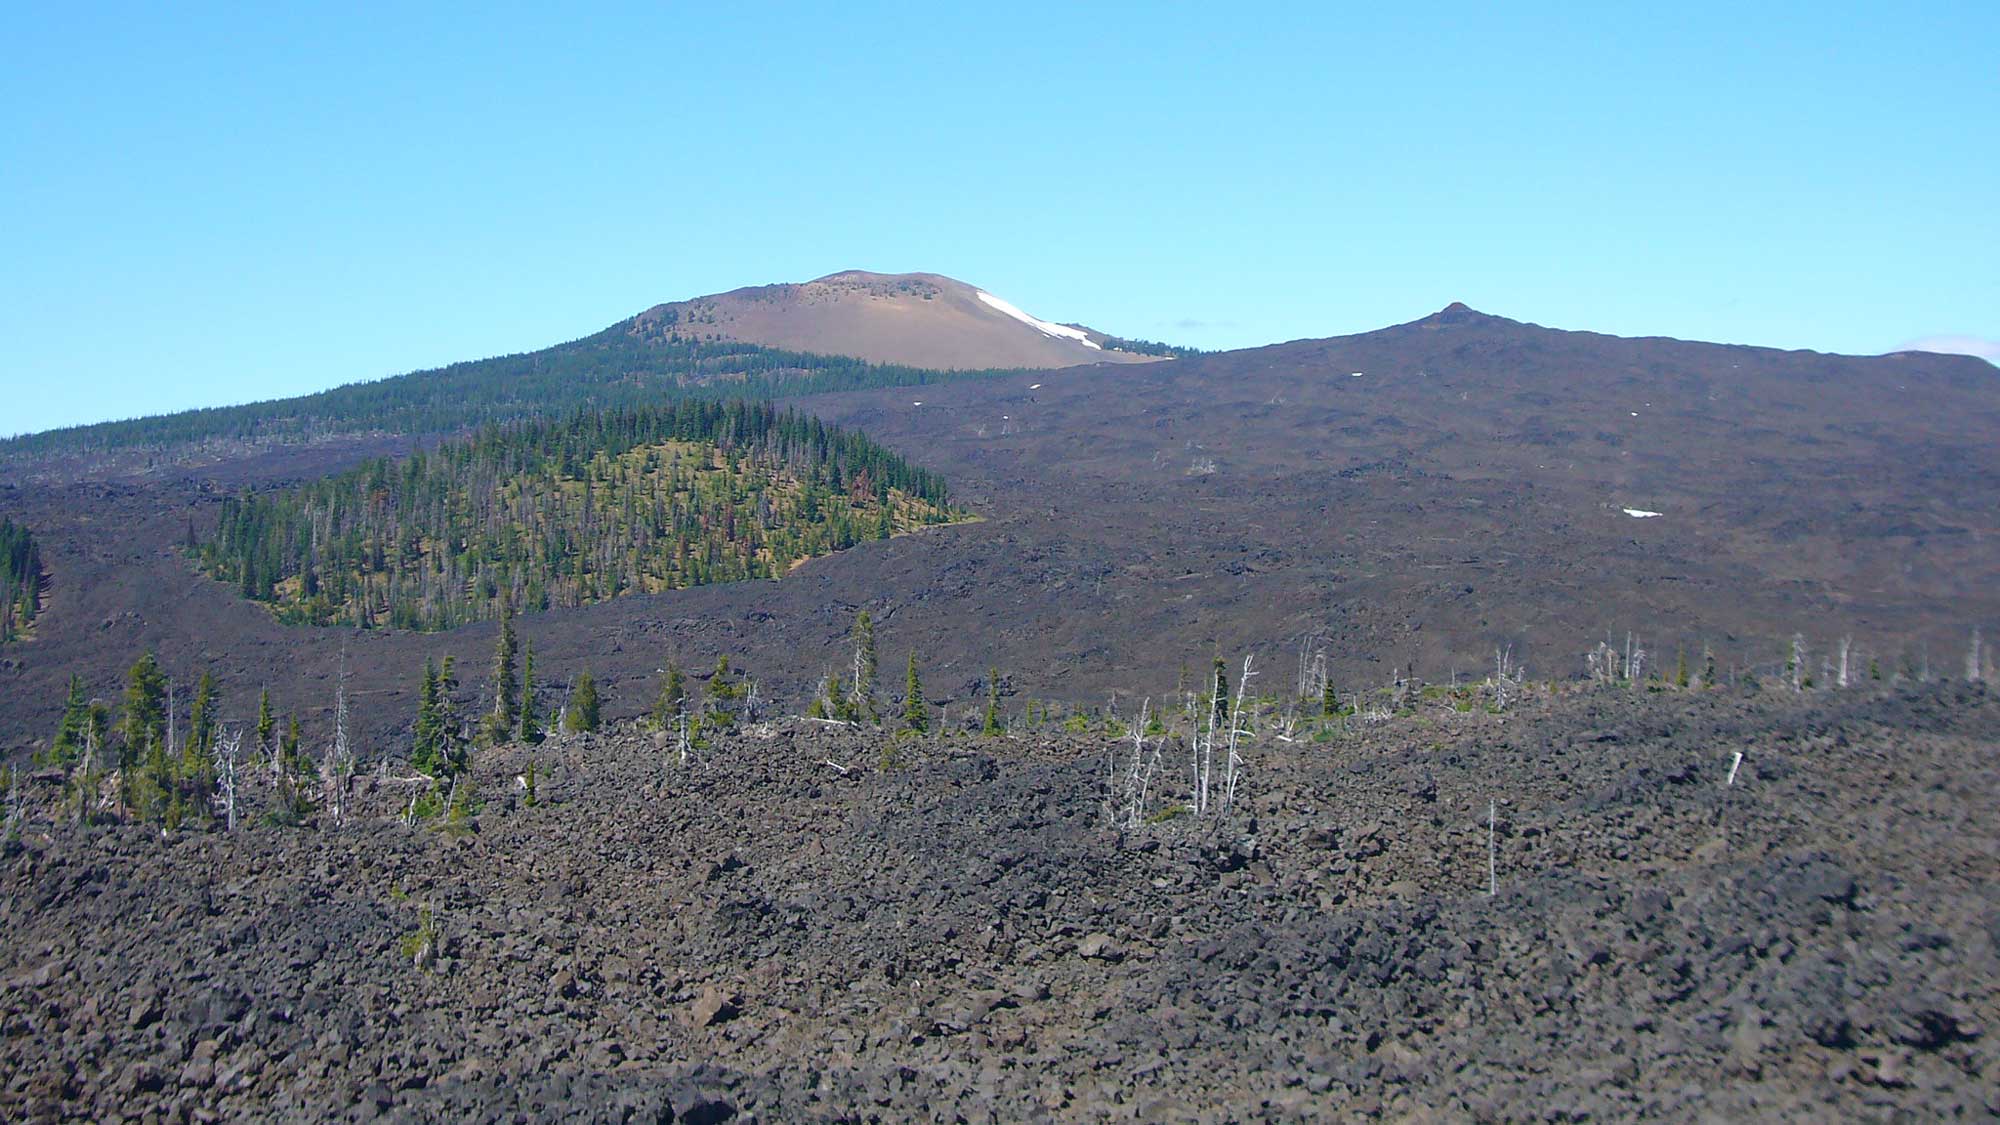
(20,580)
(535,515)
(622,367)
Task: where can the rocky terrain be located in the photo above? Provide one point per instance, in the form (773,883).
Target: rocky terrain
(815,922)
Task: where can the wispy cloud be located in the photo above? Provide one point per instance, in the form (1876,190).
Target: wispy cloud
(1985,349)
(1190,324)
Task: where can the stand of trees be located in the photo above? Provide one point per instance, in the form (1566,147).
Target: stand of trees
(568,513)
(20,580)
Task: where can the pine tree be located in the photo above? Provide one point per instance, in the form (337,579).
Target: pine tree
(73,731)
(266,721)
(672,701)
(144,723)
(992,724)
(292,746)
(1329,701)
(202,725)
(531,719)
(429,730)
(1707,667)
(1681,670)
(506,715)
(583,705)
(916,714)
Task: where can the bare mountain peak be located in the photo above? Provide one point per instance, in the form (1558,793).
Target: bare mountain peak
(913,319)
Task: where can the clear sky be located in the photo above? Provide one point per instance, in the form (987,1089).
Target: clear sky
(200,207)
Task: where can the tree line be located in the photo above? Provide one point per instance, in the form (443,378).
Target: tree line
(535,515)
(621,368)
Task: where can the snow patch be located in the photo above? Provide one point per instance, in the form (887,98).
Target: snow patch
(1640,513)
(1060,331)
(1355,375)
(1034,386)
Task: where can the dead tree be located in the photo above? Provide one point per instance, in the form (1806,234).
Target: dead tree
(1846,644)
(1603,663)
(1507,677)
(1975,664)
(1233,765)
(336,768)
(227,749)
(1799,673)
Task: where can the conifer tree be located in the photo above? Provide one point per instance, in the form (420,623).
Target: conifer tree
(1681,669)
(429,729)
(144,722)
(992,724)
(202,722)
(1329,701)
(506,716)
(531,718)
(72,732)
(672,701)
(916,714)
(267,723)
(583,705)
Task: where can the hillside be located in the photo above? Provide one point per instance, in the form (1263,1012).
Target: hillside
(1465,492)
(844,332)
(909,319)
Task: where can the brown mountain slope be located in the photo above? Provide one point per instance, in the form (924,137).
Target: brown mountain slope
(916,319)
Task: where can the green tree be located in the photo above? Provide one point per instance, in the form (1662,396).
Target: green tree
(1681,669)
(671,703)
(1329,700)
(143,725)
(267,723)
(531,717)
(916,714)
(583,705)
(992,725)
(74,728)
(202,722)
(505,718)
(428,735)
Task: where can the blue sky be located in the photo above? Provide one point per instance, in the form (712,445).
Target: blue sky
(206,206)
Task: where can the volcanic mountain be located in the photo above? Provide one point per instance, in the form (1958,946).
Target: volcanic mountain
(912,319)
(1418,496)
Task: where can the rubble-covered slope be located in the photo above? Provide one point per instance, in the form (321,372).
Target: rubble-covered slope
(809,921)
